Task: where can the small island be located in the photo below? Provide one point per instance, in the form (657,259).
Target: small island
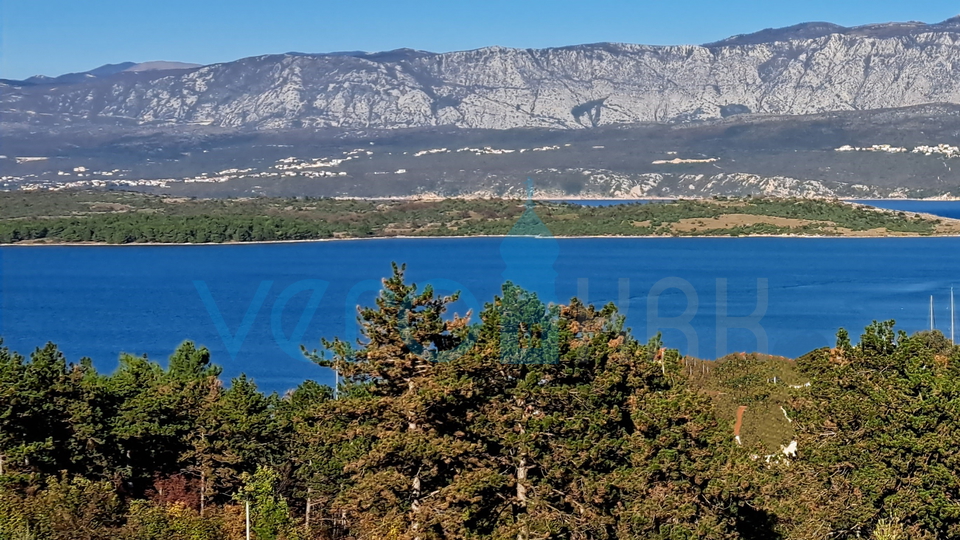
(118,217)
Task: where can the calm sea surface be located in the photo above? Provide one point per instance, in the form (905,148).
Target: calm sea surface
(252,305)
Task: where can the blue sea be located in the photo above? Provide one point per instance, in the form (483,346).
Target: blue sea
(253,305)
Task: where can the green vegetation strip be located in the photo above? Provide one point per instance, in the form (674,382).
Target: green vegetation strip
(124,218)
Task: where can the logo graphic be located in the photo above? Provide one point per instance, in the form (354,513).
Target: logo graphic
(751,322)
(527,308)
(656,323)
(528,328)
(233,342)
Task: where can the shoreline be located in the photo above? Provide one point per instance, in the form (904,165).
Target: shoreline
(561,198)
(950,231)
(932,199)
(502,236)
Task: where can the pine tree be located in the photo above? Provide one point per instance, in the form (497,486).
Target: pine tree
(875,432)
(12,432)
(236,431)
(398,407)
(196,381)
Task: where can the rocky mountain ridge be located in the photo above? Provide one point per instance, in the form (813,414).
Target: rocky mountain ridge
(104,71)
(805,69)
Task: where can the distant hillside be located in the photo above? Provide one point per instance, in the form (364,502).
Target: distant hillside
(101,72)
(815,30)
(125,218)
(161,66)
(800,156)
(809,68)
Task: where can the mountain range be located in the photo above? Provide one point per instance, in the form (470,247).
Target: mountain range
(757,113)
(808,68)
(101,72)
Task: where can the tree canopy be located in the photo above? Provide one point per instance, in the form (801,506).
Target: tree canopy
(524,421)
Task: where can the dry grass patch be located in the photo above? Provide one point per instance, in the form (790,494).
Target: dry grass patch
(948,227)
(878,232)
(729,221)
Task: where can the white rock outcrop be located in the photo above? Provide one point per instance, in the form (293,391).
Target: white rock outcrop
(498,88)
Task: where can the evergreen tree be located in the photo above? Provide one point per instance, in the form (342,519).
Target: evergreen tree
(12,430)
(876,430)
(399,408)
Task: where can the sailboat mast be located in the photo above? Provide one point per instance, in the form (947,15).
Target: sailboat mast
(932,325)
(952,317)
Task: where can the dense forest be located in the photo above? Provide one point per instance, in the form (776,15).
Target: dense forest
(126,218)
(526,422)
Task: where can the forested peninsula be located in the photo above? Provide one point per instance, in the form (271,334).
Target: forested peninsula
(110,217)
(527,422)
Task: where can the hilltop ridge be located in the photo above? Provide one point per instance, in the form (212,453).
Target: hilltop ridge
(802,69)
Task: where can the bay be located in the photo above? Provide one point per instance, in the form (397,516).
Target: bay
(99,301)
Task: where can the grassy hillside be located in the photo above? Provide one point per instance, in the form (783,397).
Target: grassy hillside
(760,385)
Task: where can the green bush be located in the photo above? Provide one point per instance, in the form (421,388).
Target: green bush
(150,521)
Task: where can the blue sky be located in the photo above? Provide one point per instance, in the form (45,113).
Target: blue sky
(51,37)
